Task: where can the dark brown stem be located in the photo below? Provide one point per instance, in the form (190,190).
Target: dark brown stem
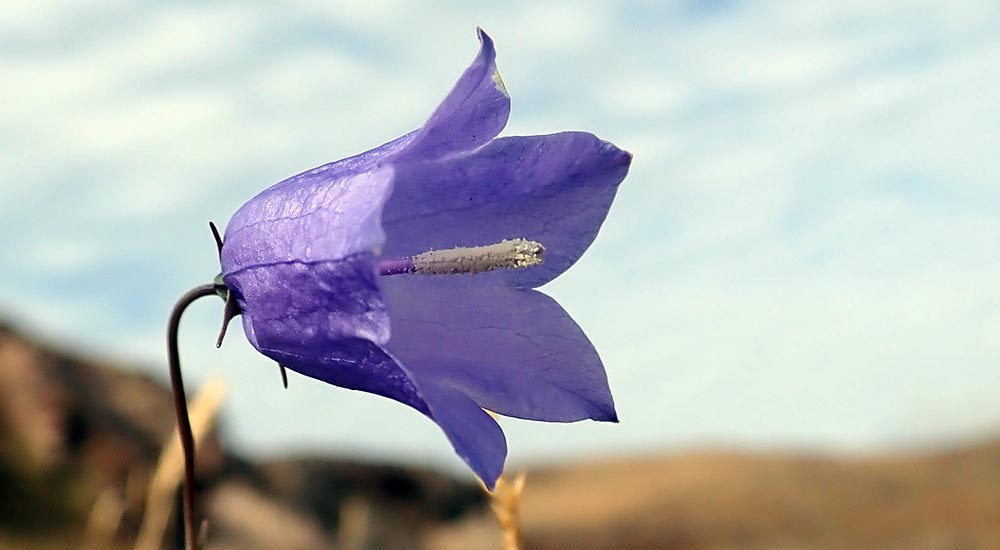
(180,406)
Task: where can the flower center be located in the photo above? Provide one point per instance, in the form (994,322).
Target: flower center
(506,254)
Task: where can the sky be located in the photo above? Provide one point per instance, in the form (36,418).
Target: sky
(804,255)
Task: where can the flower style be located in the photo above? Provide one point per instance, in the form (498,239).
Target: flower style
(407,271)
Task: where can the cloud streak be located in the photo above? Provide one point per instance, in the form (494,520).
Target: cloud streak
(804,253)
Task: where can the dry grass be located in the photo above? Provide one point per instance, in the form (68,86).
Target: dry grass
(505,502)
(170,470)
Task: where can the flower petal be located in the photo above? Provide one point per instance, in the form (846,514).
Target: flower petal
(473,113)
(354,364)
(555,189)
(475,436)
(297,306)
(327,213)
(512,351)
(359,364)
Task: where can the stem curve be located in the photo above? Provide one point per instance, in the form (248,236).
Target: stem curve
(180,407)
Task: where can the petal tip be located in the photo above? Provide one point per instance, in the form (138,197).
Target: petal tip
(623,158)
(486,41)
(606,413)
(614,155)
(487,469)
(489,483)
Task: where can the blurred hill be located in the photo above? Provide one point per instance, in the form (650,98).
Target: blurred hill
(81,436)
(936,501)
(80,440)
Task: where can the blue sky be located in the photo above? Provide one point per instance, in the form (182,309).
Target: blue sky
(804,255)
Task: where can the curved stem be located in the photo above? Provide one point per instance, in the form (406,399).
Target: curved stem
(180,406)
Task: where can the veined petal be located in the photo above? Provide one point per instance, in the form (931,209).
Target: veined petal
(555,189)
(473,113)
(512,351)
(298,306)
(320,215)
(355,364)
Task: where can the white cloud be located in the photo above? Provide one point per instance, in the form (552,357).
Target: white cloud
(802,254)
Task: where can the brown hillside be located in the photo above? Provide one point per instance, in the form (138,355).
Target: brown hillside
(948,500)
(74,429)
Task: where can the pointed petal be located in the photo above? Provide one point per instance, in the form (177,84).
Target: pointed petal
(476,437)
(473,113)
(555,189)
(512,351)
(361,365)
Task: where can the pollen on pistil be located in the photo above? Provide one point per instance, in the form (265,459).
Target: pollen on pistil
(507,254)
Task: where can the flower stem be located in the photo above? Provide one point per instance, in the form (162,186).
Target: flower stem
(180,406)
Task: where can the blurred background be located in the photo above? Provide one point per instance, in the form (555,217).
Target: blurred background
(795,294)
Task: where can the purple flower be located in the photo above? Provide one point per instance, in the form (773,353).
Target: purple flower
(407,271)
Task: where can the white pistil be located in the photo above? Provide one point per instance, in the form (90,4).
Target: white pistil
(506,254)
